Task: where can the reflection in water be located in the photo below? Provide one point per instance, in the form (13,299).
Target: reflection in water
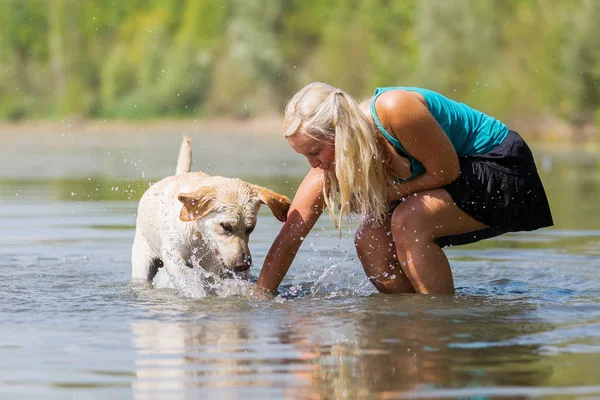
(389,352)
(383,345)
(179,356)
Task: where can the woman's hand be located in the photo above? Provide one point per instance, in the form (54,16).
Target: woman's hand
(264,294)
(396,191)
(397,165)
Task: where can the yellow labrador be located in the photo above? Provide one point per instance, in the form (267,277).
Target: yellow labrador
(192,219)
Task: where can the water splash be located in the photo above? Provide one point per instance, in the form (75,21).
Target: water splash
(323,278)
(200,283)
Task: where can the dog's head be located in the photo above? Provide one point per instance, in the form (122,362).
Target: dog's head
(224,211)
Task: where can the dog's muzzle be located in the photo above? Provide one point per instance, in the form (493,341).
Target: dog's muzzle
(243,265)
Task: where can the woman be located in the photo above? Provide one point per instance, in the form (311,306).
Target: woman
(422,171)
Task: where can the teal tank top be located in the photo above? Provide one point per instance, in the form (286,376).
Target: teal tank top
(470,131)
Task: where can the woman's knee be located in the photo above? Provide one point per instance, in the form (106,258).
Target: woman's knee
(372,236)
(410,221)
(365,232)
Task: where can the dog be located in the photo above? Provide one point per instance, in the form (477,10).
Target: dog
(192,219)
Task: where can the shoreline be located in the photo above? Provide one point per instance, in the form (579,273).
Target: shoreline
(264,125)
(550,136)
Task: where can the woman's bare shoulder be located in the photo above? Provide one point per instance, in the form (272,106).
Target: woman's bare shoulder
(391,102)
(397,107)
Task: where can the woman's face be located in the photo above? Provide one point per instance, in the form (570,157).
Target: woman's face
(319,153)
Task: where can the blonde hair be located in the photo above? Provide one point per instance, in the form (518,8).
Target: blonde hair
(358,183)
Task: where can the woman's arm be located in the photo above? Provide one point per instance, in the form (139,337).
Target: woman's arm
(304,212)
(406,117)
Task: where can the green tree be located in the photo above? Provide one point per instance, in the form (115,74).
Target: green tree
(249,64)
(150,58)
(581,57)
(23,57)
(458,43)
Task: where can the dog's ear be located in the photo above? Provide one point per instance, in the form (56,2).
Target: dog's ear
(278,203)
(196,204)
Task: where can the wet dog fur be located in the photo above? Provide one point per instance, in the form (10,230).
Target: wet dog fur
(192,219)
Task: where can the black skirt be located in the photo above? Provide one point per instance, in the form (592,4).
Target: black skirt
(502,189)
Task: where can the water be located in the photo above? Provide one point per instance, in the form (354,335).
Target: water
(525,321)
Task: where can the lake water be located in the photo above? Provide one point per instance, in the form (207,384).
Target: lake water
(525,321)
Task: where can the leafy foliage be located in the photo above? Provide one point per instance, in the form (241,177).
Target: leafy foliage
(148,58)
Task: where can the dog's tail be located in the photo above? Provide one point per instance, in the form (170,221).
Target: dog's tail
(184,162)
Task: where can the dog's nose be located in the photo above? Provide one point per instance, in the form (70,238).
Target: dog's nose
(243,264)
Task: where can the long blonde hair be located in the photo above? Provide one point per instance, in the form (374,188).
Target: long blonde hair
(324,113)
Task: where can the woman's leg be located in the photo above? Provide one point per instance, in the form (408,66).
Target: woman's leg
(416,223)
(377,253)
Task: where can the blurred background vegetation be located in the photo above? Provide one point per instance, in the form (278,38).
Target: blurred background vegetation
(136,59)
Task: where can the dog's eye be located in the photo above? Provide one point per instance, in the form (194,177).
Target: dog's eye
(250,230)
(227,228)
